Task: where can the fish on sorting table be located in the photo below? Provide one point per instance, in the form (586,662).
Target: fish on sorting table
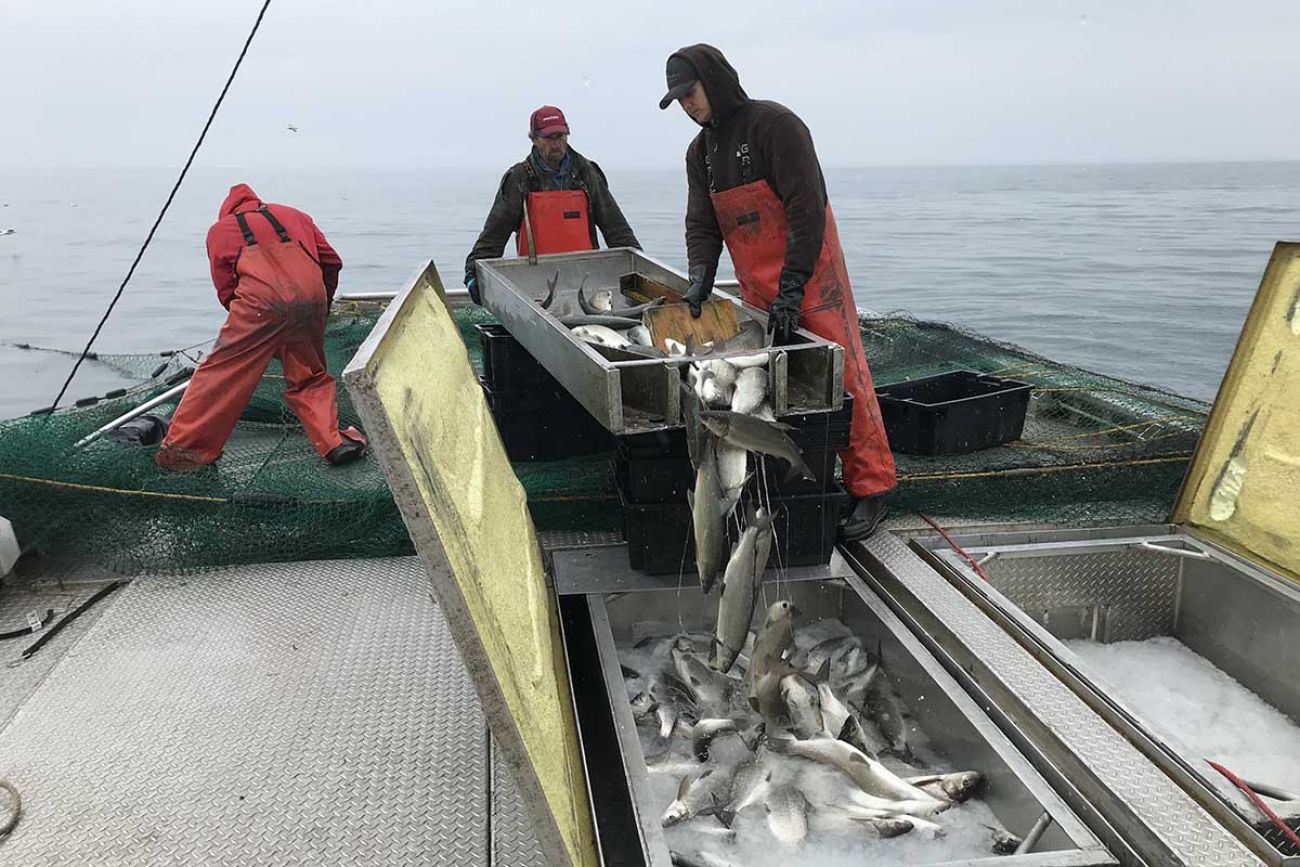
(640,335)
(699,859)
(710,508)
(551,284)
(713,392)
(674,347)
(601,335)
(575,320)
(701,795)
(768,664)
(750,390)
(601,302)
(956,787)
(787,814)
(638,309)
(850,819)
(873,778)
(672,765)
(756,435)
(740,585)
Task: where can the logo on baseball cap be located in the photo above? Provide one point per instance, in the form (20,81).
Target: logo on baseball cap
(547,120)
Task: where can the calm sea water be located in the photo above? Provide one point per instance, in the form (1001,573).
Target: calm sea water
(1141,271)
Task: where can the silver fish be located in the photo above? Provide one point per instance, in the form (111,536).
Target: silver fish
(801,700)
(756,435)
(712,391)
(765,412)
(787,814)
(724,372)
(575,320)
(703,733)
(750,785)
(858,688)
(638,309)
(751,390)
(834,712)
(601,335)
(874,823)
(699,796)
(674,347)
(740,586)
(709,511)
(700,859)
(871,776)
(955,787)
(550,291)
(710,688)
(733,468)
(640,335)
(602,302)
(886,710)
(768,664)
(643,705)
(671,764)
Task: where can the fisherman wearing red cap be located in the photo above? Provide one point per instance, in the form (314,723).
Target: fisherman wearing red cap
(276,274)
(553,201)
(755,184)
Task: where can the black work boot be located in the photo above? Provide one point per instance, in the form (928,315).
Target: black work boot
(862,518)
(349,451)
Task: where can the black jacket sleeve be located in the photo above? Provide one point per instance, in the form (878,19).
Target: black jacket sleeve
(605,212)
(502,221)
(796,178)
(703,234)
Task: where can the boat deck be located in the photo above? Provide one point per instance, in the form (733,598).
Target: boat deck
(296,714)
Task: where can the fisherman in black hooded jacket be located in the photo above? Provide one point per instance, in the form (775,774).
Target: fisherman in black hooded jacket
(755,184)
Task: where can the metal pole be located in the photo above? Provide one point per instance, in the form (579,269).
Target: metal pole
(1035,834)
(135,413)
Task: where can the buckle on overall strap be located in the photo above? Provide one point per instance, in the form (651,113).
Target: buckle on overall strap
(249,240)
(275,224)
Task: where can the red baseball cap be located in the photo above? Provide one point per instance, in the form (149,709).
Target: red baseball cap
(546,120)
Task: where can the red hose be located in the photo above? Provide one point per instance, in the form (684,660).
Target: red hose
(958,548)
(1257,801)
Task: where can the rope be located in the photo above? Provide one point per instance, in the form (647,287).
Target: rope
(1257,801)
(167,204)
(1034,471)
(97,489)
(979,570)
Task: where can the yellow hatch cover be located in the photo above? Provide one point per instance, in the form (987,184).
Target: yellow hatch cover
(412,384)
(1243,487)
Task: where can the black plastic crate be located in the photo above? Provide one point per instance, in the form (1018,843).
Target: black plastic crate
(545,425)
(953,413)
(660,540)
(507,366)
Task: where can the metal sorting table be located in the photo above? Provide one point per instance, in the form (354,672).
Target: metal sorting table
(1140,812)
(290,714)
(1132,584)
(629,393)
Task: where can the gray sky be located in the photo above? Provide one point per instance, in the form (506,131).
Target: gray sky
(447,85)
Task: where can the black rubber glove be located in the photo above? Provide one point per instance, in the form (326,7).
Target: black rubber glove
(700,290)
(472,285)
(783,317)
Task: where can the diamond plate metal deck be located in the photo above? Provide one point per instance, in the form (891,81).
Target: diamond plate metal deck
(1138,588)
(1165,816)
(290,714)
(513,842)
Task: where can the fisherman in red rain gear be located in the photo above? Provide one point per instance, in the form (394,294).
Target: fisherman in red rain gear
(755,184)
(276,274)
(556,196)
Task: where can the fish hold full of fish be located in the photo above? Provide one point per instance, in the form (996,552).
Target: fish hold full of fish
(767,734)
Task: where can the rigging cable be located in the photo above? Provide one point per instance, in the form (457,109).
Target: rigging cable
(167,204)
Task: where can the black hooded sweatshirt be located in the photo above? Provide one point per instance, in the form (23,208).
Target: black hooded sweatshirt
(749,140)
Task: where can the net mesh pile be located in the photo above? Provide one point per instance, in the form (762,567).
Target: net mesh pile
(1095,450)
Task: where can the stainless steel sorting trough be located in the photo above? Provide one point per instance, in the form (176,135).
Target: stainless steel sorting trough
(628,393)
